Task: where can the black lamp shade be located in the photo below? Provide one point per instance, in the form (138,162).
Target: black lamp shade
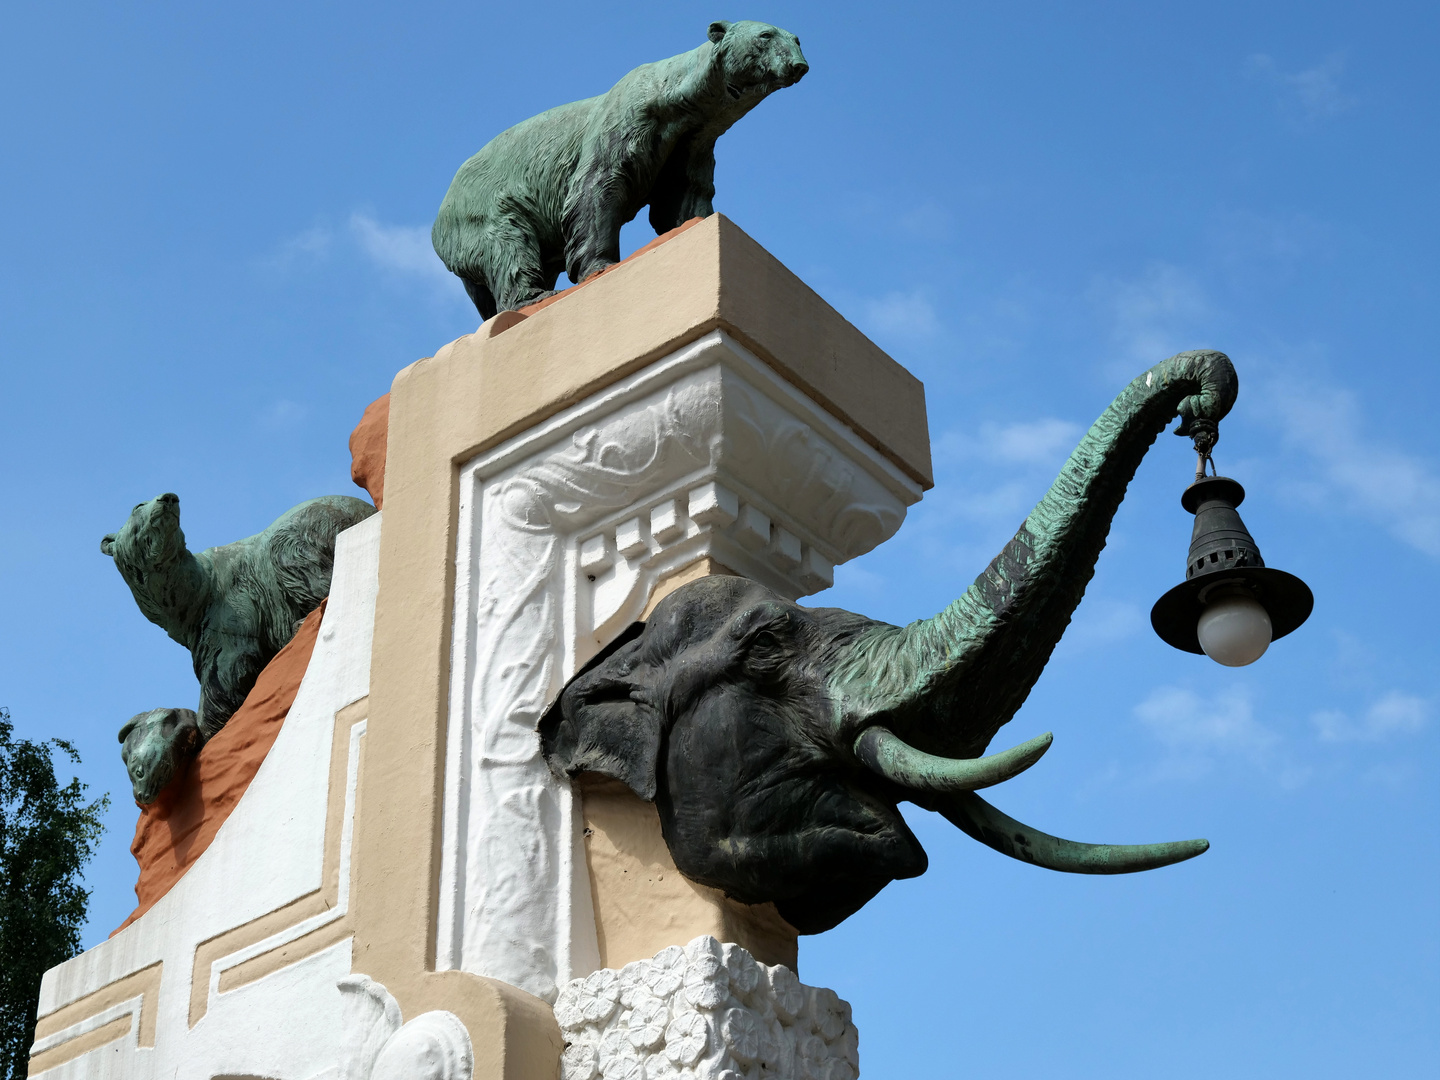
(1223,554)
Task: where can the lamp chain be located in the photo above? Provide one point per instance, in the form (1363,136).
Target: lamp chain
(1204,434)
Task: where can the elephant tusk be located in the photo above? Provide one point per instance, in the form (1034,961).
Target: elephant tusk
(884,752)
(1009,837)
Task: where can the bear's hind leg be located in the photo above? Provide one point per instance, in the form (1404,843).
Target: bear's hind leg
(227,671)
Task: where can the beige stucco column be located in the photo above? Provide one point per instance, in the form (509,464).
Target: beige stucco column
(697,409)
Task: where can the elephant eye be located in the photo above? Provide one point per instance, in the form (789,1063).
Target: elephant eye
(767,657)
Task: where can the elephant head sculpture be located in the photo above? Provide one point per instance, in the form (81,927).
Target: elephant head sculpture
(777,740)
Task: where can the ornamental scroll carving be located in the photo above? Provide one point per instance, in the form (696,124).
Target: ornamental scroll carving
(563,534)
(434,1045)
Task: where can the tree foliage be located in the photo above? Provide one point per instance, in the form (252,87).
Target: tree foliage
(47,834)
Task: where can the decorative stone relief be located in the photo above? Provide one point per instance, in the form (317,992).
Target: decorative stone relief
(563,534)
(433,1046)
(705,1011)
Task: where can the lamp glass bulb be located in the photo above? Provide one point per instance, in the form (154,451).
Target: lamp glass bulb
(1234,629)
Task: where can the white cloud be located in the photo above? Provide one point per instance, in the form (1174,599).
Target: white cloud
(1391,774)
(902,314)
(1036,442)
(1313,94)
(1165,310)
(1047,441)
(928,221)
(304,248)
(1399,490)
(990,476)
(1198,732)
(1100,621)
(996,473)
(1223,724)
(1395,713)
(283,414)
(1153,316)
(1244,237)
(401,252)
(404,249)
(1007,503)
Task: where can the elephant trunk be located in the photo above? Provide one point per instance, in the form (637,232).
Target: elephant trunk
(948,683)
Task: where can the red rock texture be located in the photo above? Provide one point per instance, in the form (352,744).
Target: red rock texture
(367,449)
(176,829)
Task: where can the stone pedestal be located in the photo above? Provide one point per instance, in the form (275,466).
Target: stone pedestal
(405,852)
(707,1011)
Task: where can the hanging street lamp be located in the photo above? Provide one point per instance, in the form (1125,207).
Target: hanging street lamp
(1230,605)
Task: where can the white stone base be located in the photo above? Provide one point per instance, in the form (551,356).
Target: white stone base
(171,971)
(709,1011)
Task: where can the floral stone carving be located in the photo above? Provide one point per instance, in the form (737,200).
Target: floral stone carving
(709,1010)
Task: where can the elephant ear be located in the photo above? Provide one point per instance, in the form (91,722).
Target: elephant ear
(597,725)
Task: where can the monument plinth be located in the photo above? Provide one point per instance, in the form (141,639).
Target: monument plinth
(405,850)
(568,770)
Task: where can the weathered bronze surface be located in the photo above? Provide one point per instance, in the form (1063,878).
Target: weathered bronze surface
(1223,553)
(552,192)
(154,745)
(777,741)
(234,607)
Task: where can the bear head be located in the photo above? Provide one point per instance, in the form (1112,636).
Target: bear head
(155,745)
(150,539)
(757,58)
(149,551)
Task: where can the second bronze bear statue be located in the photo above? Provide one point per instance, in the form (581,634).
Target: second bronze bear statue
(552,192)
(234,607)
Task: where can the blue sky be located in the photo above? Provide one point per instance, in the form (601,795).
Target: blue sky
(214,252)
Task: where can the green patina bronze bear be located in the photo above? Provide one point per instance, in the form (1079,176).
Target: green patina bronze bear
(234,607)
(153,746)
(552,192)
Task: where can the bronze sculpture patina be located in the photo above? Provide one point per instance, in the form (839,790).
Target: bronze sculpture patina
(154,745)
(234,607)
(777,741)
(552,192)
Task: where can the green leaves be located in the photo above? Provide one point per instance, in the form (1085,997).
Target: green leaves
(47,834)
